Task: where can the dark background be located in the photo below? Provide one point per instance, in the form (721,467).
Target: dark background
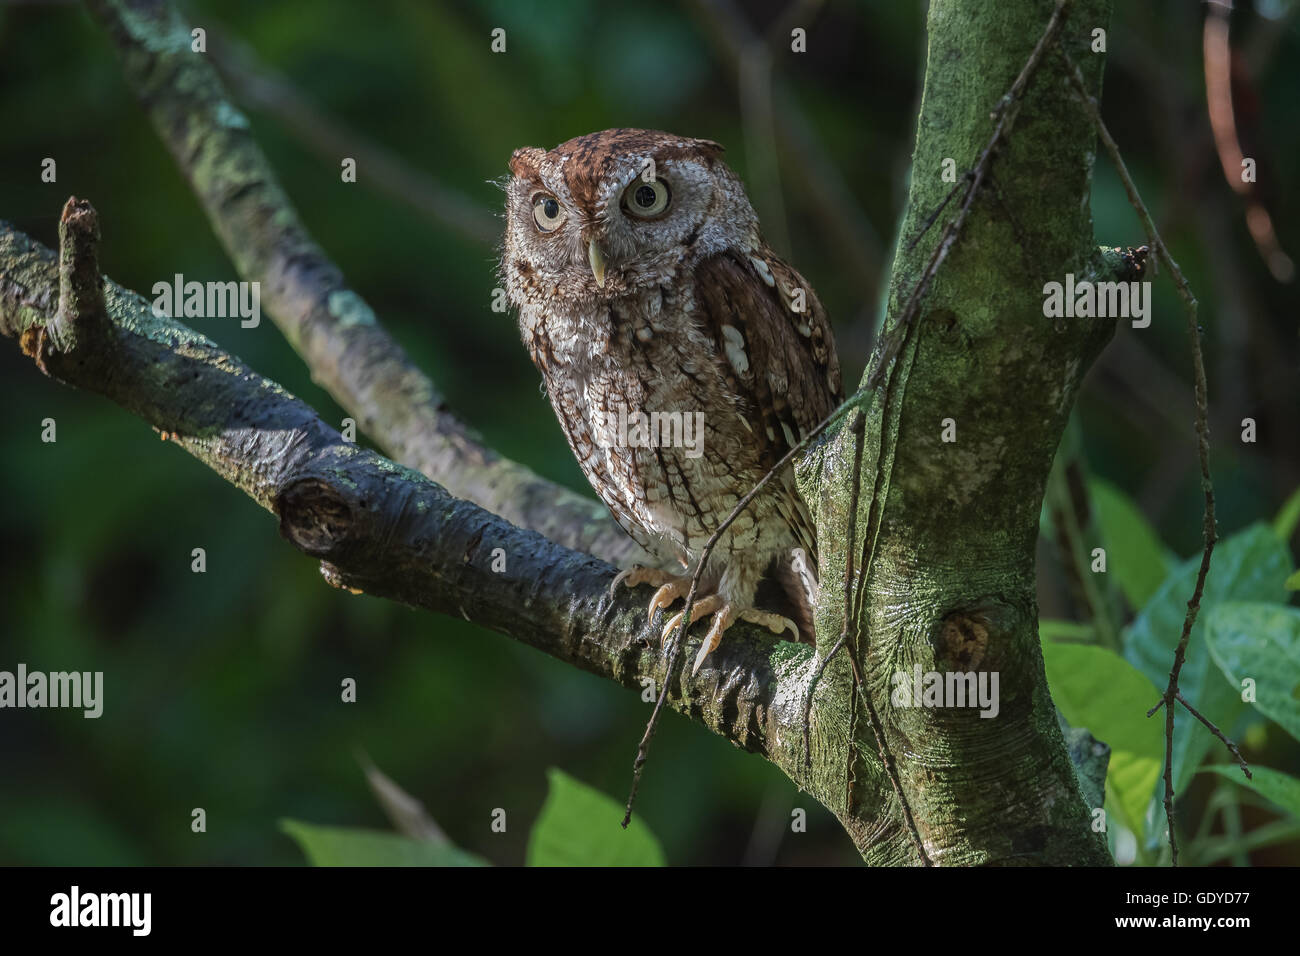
(222,689)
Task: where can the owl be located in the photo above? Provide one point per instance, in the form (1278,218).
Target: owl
(683,359)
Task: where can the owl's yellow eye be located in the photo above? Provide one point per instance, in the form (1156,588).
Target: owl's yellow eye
(547,212)
(646,200)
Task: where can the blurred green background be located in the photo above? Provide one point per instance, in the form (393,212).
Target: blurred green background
(222,689)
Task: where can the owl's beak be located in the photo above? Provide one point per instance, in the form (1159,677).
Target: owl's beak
(597,260)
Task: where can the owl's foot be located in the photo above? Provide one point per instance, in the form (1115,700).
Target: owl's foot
(725,615)
(675,587)
(671,586)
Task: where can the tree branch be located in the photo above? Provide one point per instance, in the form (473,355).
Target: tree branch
(376,526)
(943,541)
(328,323)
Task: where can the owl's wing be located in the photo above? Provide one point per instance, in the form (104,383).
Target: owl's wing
(775,343)
(775,347)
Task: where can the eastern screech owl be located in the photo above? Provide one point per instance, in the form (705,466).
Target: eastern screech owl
(682,357)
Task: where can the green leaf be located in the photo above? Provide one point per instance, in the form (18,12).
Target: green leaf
(1273,785)
(1054,629)
(1288,516)
(1134,553)
(579,826)
(1096,688)
(350,846)
(1293,582)
(1248,566)
(1260,642)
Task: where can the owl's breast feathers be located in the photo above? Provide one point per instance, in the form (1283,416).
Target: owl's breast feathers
(774,372)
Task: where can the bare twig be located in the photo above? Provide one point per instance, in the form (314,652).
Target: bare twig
(830,199)
(1241,761)
(891,770)
(408,815)
(930,219)
(1217,54)
(1209,529)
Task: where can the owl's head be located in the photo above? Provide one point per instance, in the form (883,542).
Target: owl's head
(606,214)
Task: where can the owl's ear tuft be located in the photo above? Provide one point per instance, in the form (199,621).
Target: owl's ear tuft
(715,150)
(526,160)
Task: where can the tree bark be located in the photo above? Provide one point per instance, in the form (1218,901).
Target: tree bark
(945,532)
(927,545)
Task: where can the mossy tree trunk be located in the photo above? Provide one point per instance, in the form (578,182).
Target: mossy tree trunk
(942,533)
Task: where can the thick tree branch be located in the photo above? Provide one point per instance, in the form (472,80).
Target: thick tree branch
(943,543)
(328,323)
(376,526)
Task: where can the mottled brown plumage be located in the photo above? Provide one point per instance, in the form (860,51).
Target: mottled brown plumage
(644,287)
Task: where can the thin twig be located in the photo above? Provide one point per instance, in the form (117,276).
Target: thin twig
(643,747)
(853,238)
(1202,433)
(930,219)
(891,770)
(1217,55)
(1245,766)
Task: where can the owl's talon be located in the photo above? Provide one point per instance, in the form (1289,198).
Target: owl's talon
(703,607)
(773,622)
(668,594)
(620,578)
(721,621)
(639,574)
(671,588)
